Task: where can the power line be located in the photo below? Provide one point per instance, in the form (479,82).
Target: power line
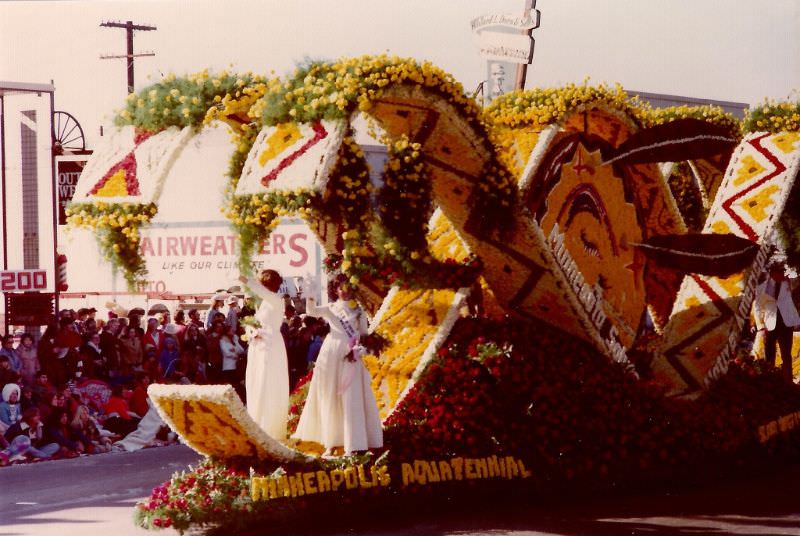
(129,27)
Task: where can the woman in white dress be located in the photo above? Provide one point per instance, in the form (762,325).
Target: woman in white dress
(340,410)
(267,374)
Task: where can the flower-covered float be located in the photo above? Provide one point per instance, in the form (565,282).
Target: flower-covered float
(562,279)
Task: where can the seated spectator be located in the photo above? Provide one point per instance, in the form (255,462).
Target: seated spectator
(43,390)
(10,408)
(7,375)
(72,399)
(84,425)
(29,359)
(138,401)
(57,401)
(57,430)
(31,428)
(27,400)
(118,419)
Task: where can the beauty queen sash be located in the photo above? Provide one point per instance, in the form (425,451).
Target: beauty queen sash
(351,331)
(349,367)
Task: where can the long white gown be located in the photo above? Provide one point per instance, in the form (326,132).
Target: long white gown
(267,375)
(340,409)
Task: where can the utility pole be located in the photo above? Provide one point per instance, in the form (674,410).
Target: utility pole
(129,27)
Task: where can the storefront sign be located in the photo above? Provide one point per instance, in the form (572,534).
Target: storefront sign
(515,48)
(528,21)
(68,170)
(203,257)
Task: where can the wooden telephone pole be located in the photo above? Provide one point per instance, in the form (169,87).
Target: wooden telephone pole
(129,27)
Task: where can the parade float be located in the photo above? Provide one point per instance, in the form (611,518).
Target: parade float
(563,279)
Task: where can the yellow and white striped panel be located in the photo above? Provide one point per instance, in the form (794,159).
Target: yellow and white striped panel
(416,322)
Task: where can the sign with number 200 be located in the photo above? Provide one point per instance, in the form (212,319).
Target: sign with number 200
(22,280)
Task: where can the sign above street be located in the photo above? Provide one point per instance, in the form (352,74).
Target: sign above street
(516,48)
(528,21)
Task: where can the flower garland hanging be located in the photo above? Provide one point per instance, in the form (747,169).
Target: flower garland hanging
(254,216)
(347,197)
(405,198)
(117,228)
(537,108)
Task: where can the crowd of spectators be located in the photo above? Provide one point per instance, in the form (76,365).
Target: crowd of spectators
(44,413)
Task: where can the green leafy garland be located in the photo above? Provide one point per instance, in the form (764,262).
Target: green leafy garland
(182,101)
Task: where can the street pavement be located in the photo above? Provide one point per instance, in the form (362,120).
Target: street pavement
(95,495)
(87,495)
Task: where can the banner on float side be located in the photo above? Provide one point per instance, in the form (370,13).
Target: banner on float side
(705,326)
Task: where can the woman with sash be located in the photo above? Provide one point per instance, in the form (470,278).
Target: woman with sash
(267,373)
(340,411)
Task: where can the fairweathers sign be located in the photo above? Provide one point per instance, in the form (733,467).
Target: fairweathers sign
(203,257)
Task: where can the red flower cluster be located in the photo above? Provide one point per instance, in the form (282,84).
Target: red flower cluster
(208,493)
(297,401)
(572,414)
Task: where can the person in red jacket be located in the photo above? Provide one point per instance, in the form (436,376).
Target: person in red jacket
(118,420)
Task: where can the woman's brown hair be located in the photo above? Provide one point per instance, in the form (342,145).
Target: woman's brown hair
(271,279)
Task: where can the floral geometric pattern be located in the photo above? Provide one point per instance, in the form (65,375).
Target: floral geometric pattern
(130,166)
(709,312)
(292,156)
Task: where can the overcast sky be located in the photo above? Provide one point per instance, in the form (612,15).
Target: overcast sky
(720,49)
